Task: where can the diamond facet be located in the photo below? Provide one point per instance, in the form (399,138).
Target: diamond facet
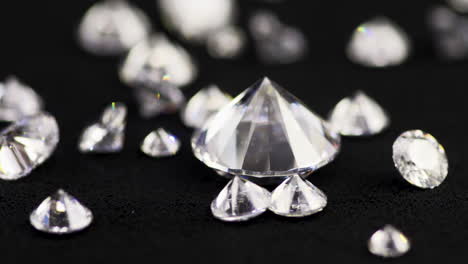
(378,43)
(107,135)
(112,27)
(26,144)
(18,100)
(388,242)
(61,213)
(358,115)
(265,132)
(240,200)
(203,105)
(296,197)
(148,57)
(159,143)
(420,159)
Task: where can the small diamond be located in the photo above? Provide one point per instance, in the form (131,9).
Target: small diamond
(107,135)
(61,213)
(226,43)
(240,200)
(196,20)
(276,43)
(388,242)
(26,144)
(160,143)
(112,27)
(378,43)
(18,100)
(148,57)
(296,197)
(358,115)
(203,105)
(265,132)
(420,159)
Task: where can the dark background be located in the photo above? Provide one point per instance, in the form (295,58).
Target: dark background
(158,210)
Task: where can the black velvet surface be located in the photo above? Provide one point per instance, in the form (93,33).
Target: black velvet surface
(157,211)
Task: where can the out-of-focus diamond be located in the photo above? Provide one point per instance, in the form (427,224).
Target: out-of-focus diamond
(459,5)
(61,213)
(388,242)
(265,132)
(358,115)
(147,58)
(378,43)
(226,43)
(107,135)
(159,143)
(240,200)
(197,20)
(17,100)
(112,27)
(203,105)
(26,144)
(420,159)
(296,197)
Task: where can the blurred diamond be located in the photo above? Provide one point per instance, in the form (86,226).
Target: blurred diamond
(26,144)
(265,132)
(61,213)
(459,5)
(197,20)
(148,57)
(378,43)
(388,242)
(112,27)
(107,135)
(358,115)
(296,197)
(240,200)
(17,100)
(160,143)
(420,159)
(203,105)
(226,43)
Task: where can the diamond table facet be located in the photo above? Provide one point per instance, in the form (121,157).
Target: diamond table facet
(265,132)
(388,242)
(160,143)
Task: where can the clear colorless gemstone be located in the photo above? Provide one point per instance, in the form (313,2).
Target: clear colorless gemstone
(388,242)
(112,27)
(265,132)
(378,43)
(276,43)
(18,100)
(197,20)
(160,143)
(148,57)
(26,144)
(240,200)
(226,43)
(203,105)
(61,213)
(420,159)
(358,115)
(107,135)
(296,197)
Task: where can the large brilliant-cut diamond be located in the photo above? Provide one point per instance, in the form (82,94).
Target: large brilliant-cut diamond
(388,242)
(420,159)
(26,144)
(18,100)
(265,132)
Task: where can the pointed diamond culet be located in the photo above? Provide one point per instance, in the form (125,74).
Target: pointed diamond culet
(296,197)
(203,105)
(26,144)
(420,159)
(265,132)
(61,213)
(378,43)
(160,143)
(107,135)
(18,100)
(388,242)
(240,200)
(358,115)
